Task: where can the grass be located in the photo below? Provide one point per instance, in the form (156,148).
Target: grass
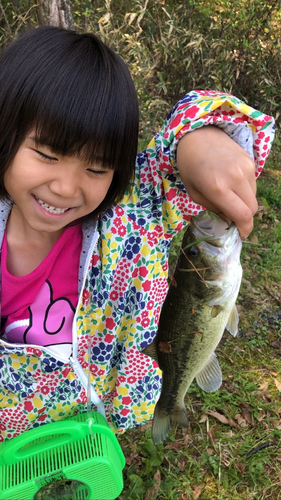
(232,449)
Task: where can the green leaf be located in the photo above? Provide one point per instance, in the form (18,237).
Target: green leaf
(265,202)
(154,454)
(137,487)
(197,241)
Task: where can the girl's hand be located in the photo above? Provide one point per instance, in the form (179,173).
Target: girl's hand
(219,175)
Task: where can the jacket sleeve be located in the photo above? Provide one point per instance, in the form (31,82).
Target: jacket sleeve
(158,200)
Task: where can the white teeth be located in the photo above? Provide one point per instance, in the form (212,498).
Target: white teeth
(52,210)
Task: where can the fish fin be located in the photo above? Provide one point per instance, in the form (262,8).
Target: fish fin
(216,310)
(223,294)
(210,378)
(162,422)
(179,416)
(150,350)
(233,320)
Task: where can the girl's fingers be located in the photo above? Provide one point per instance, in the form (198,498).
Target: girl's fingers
(230,206)
(219,175)
(239,212)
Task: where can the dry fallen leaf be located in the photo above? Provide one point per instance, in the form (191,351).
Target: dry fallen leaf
(264,386)
(254,239)
(225,458)
(182,462)
(153,491)
(261,416)
(222,418)
(241,421)
(278,384)
(203,418)
(247,415)
(276,423)
(165,347)
(276,344)
(133,458)
(175,445)
(241,467)
(197,492)
(211,435)
(187,441)
(230,434)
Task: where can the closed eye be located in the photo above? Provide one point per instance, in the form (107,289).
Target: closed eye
(98,172)
(46,157)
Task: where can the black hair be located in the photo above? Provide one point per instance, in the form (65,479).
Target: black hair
(78,96)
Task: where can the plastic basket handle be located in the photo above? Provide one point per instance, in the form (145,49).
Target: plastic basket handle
(104,429)
(69,432)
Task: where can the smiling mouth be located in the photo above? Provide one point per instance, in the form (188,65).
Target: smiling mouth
(50,208)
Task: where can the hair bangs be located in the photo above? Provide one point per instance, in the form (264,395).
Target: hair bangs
(89,109)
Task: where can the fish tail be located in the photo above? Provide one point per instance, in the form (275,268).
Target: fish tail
(162,421)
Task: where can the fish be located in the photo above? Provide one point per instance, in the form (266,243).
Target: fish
(199,306)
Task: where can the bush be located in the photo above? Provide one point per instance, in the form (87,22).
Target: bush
(175,46)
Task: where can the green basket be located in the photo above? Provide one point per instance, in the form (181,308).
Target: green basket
(75,459)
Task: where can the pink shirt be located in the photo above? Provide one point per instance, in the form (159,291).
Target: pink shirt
(39,308)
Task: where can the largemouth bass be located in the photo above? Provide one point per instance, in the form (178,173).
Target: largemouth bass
(199,305)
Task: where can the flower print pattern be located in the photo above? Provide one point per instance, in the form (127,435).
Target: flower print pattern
(125,286)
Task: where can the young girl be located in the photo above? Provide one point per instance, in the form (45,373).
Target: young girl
(85,230)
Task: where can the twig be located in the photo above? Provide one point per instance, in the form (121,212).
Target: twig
(192,270)
(257,448)
(201,277)
(278,300)
(220,463)
(5,18)
(253,243)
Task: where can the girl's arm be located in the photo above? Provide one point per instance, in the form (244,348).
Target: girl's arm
(210,150)
(218,163)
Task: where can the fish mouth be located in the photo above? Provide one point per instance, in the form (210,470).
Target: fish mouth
(214,230)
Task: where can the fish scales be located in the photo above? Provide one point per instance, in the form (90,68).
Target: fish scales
(199,305)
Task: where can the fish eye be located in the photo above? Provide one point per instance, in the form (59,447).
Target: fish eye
(193,251)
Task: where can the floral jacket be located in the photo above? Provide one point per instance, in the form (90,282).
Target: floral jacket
(123,283)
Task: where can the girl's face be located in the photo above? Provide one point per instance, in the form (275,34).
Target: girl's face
(51,191)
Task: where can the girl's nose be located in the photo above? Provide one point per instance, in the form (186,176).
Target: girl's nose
(66,186)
